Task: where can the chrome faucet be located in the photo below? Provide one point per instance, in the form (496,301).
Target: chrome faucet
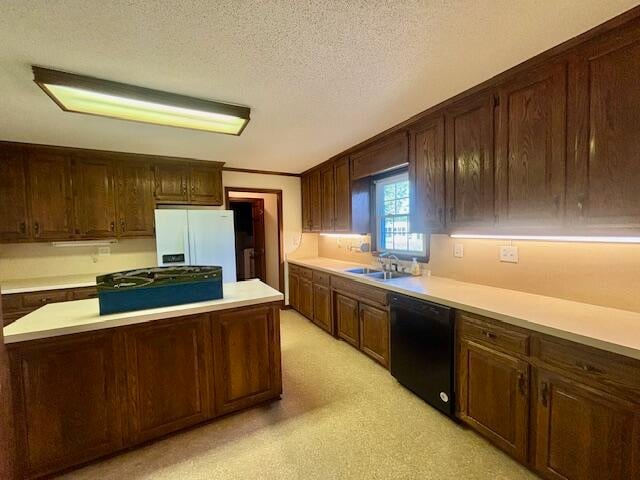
(395,265)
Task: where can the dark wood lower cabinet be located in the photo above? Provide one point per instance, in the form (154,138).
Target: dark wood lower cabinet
(168,370)
(246,360)
(80,397)
(493,396)
(66,403)
(347,319)
(374,333)
(294,286)
(583,433)
(322,307)
(305,298)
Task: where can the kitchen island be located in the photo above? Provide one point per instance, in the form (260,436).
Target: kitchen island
(86,385)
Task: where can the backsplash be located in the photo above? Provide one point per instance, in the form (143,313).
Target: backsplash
(597,273)
(32,260)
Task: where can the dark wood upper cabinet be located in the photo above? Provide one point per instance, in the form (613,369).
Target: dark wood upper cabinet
(315,202)
(306,207)
(342,195)
(205,185)
(426,175)
(530,150)
(327,197)
(389,153)
(94,197)
(14,212)
(469,162)
(134,192)
(172,182)
(604,132)
(493,396)
(583,433)
(49,180)
(167,376)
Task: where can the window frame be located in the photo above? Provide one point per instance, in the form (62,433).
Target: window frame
(377,221)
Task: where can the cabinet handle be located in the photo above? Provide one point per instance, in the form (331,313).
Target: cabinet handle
(544,394)
(112,226)
(36,228)
(123,226)
(184,189)
(23,227)
(522,384)
(556,202)
(489,334)
(440,214)
(193,189)
(451,213)
(580,204)
(589,368)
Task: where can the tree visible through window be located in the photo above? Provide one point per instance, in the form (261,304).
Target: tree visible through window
(392,208)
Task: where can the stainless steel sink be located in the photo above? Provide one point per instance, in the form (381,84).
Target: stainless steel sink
(384,276)
(363,271)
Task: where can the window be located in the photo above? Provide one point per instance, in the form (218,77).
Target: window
(393,232)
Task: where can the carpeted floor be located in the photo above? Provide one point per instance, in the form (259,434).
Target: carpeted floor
(341,417)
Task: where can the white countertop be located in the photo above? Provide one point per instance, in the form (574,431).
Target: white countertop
(66,318)
(26,285)
(609,329)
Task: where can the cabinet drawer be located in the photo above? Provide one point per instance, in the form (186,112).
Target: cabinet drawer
(487,332)
(12,303)
(606,368)
(321,278)
(84,293)
(360,291)
(38,299)
(306,273)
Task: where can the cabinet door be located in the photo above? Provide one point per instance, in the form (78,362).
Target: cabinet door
(530,159)
(167,376)
(305,298)
(374,333)
(94,198)
(66,408)
(347,319)
(427,179)
(306,203)
(322,307)
(246,362)
(493,396)
(14,220)
(327,198)
(315,203)
(604,132)
(584,434)
(49,186)
(172,183)
(205,185)
(469,162)
(134,186)
(342,196)
(294,286)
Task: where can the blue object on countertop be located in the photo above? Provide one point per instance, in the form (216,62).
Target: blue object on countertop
(156,287)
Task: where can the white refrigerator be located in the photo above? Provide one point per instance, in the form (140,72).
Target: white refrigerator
(198,236)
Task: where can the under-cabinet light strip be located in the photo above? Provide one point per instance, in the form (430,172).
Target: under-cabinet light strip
(551,238)
(341,235)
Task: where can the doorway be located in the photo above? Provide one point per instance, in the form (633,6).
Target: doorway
(248,221)
(262,255)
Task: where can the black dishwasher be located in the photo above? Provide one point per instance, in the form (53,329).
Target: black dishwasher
(422,346)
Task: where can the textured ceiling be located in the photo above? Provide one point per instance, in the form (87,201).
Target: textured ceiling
(319,76)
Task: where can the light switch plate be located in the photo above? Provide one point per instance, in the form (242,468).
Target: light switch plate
(509,254)
(458,250)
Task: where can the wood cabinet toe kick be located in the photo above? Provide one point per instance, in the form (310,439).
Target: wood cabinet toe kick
(84,396)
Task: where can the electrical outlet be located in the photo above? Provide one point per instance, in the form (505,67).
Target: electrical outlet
(104,251)
(458,250)
(509,254)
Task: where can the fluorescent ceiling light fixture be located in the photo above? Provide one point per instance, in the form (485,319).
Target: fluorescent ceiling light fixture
(551,238)
(93,96)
